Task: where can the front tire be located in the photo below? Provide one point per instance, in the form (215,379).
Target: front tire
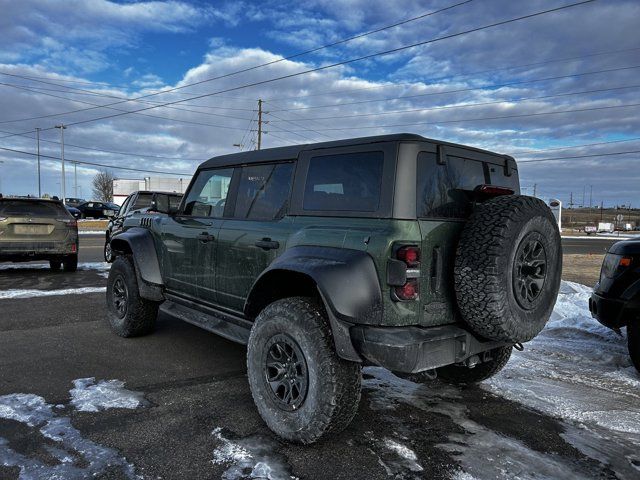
(633,341)
(455,374)
(108,253)
(302,389)
(128,313)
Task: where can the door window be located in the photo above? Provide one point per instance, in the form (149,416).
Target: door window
(263,191)
(208,194)
(123,208)
(350,181)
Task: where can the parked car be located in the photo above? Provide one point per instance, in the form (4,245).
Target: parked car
(74,212)
(73,202)
(97,209)
(615,302)
(416,255)
(38,229)
(138,202)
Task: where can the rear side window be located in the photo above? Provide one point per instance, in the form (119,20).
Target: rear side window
(143,201)
(263,191)
(443,191)
(43,209)
(346,182)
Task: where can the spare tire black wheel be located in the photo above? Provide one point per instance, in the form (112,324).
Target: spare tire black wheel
(508,267)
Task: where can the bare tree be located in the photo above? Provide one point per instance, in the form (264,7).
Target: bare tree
(103,186)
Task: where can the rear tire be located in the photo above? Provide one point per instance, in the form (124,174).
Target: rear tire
(55,265)
(70,263)
(455,374)
(633,341)
(302,389)
(128,313)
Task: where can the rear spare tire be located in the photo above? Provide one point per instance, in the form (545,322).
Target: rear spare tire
(508,267)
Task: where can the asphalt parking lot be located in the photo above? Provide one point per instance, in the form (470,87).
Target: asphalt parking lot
(196,418)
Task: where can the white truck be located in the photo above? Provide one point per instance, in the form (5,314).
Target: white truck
(606,227)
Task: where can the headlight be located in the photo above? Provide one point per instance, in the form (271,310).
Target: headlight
(613,265)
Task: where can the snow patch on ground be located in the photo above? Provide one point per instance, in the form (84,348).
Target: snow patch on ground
(77,457)
(249,458)
(30,293)
(89,396)
(99,266)
(91,232)
(575,369)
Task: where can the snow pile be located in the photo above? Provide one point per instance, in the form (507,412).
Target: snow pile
(249,458)
(575,369)
(33,292)
(99,266)
(89,396)
(78,458)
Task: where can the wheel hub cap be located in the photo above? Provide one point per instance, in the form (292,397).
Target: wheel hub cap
(286,372)
(120,296)
(530,270)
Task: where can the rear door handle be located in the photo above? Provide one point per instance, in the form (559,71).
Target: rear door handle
(267,244)
(204,237)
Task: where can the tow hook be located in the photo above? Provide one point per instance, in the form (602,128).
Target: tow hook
(518,346)
(472,361)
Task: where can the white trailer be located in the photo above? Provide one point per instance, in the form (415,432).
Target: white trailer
(122,187)
(606,227)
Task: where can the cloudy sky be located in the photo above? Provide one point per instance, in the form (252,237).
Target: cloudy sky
(562,84)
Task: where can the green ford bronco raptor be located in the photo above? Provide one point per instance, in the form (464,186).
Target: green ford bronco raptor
(413,254)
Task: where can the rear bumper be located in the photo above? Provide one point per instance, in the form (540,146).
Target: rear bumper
(416,349)
(27,251)
(611,312)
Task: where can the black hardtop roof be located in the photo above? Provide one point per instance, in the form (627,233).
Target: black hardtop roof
(291,152)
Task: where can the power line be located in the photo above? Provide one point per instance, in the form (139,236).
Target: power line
(576,146)
(162,172)
(458,75)
(29,89)
(344,62)
(162,92)
(466,105)
(132,154)
(460,90)
(478,119)
(578,156)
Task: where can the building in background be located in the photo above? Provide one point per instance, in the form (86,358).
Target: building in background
(122,187)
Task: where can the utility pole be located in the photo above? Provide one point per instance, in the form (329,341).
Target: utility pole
(591,197)
(38,149)
(584,188)
(64,187)
(75,178)
(535,189)
(601,209)
(259,124)
(571,200)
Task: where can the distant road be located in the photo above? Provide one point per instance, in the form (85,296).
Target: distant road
(587,245)
(91,246)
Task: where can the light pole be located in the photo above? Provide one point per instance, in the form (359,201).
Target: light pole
(75,178)
(1,162)
(64,187)
(38,149)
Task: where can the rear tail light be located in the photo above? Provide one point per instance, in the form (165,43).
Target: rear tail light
(74,248)
(407,259)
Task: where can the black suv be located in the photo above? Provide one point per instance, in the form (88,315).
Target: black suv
(413,254)
(142,201)
(615,302)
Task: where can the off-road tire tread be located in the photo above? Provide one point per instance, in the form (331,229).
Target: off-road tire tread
(141,315)
(338,405)
(481,297)
(633,342)
(456,375)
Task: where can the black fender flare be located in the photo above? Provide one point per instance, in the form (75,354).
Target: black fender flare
(139,241)
(347,281)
